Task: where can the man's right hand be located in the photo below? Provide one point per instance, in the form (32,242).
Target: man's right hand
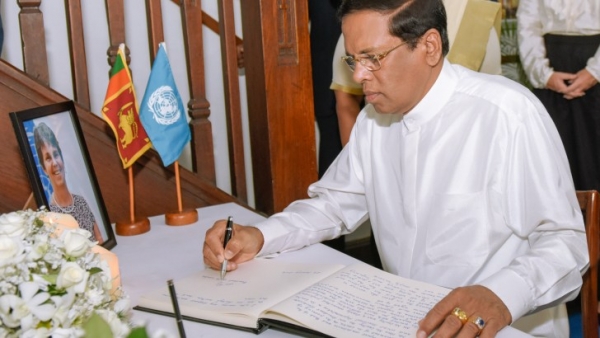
(244,245)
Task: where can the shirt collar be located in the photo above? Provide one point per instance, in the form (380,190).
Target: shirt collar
(435,99)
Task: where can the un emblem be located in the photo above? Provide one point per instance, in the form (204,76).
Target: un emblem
(163,105)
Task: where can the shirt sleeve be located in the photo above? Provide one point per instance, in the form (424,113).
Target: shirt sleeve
(539,203)
(337,207)
(532,50)
(593,65)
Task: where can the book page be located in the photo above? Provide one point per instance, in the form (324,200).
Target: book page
(244,293)
(361,301)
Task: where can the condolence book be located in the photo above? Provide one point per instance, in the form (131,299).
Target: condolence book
(311,299)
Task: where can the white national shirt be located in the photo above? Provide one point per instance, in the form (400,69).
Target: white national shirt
(536,18)
(472,186)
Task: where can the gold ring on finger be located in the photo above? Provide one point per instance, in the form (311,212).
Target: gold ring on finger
(460,314)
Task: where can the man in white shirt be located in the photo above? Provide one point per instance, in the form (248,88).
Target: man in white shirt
(462,175)
(470,45)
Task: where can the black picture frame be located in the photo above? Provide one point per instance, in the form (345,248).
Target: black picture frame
(72,165)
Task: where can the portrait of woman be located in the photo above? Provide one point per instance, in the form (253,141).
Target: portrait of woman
(61,199)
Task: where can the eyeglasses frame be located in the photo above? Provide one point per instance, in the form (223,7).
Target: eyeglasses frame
(376,57)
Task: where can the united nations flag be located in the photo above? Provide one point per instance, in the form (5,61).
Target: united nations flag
(162,111)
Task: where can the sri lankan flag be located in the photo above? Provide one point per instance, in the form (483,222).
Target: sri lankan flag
(120,111)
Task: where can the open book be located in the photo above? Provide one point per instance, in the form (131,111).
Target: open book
(326,300)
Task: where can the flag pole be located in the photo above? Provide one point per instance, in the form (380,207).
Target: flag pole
(178,186)
(134,226)
(131,196)
(181,217)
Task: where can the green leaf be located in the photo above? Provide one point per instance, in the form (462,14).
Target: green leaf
(95,270)
(138,332)
(51,278)
(96,327)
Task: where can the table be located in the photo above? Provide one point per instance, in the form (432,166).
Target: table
(148,260)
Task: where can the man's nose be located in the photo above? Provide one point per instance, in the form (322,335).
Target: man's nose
(360,73)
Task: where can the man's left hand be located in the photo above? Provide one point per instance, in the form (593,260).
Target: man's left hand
(483,314)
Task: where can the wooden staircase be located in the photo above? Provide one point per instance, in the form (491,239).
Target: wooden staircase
(281,123)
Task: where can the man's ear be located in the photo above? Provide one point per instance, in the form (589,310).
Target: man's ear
(433,46)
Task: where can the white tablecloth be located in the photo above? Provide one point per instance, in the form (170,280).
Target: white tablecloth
(166,252)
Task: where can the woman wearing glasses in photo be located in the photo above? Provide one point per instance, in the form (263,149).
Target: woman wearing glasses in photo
(62,200)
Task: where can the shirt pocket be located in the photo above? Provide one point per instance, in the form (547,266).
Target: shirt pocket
(457,231)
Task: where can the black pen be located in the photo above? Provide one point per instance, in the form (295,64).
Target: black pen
(176,308)
(228,232)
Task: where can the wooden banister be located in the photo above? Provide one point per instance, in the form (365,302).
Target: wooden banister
(212,24)
(35,59)
(155,26)
(202,143)
(79,73)
(232,99)
(116,30)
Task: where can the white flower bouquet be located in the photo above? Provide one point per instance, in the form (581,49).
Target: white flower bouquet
(53,284)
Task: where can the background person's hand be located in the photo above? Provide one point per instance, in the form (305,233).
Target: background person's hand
(579,85)
(559,81)
(244,245)
(475,301)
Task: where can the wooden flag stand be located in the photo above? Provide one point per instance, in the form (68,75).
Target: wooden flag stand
(135,226)
(181,217)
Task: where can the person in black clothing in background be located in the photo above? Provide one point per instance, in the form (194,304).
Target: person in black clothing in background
(1,31)
(325,29)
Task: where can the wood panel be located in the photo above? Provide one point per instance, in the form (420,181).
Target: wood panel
(279,85)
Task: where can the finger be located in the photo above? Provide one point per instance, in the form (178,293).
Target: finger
(432,320)
(471,327)
(210,259)
(241,244)
(450,327)
(234,247)
(214,239)
(437,316)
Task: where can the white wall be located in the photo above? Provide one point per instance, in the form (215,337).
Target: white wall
(97,43)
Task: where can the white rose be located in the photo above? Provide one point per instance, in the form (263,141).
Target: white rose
(10,249)
(72,275)
(13,224)
(77,242)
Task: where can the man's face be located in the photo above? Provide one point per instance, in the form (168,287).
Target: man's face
(404,77)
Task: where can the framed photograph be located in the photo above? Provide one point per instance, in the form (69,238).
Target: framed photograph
(59,167)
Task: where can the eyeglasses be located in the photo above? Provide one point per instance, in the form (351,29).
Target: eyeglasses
(370,62)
